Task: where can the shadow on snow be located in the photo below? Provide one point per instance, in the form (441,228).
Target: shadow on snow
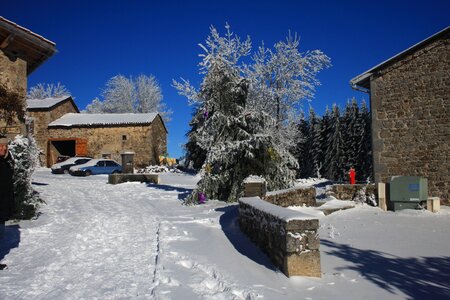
(418,278)
(240,241)
(10,240)
(183,192)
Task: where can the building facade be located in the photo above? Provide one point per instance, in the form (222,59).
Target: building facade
(410,108)
(108,135)
(21,52)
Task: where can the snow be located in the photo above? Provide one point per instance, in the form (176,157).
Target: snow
(74,119)
(275,210)
(137,241)
(45,103)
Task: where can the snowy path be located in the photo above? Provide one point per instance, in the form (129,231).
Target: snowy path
(136,241)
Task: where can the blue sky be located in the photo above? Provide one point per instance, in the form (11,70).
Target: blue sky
(99,39)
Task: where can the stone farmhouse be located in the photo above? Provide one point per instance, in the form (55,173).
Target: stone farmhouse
(60,129)
(21,52)
(410,108)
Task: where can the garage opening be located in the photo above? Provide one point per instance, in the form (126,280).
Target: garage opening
(65,147)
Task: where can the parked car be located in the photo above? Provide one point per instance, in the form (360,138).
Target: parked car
(96,166)
(63,167)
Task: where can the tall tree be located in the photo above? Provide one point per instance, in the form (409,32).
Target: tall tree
(236,139)
(131,95)
(48,90)
(365,145)
(334,158)
(280,79)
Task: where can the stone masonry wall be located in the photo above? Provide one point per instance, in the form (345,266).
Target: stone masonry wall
(41,119)
(291,242)
(13,76)
(349,191)
(410,104)
(109,140)
(297,196)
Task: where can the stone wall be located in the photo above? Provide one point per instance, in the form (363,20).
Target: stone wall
(115,140)
(40,121)
(349,191)
(297,196)
(288,237)
(410,104)
(13,76)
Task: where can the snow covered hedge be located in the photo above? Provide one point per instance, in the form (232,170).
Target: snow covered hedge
(26,158)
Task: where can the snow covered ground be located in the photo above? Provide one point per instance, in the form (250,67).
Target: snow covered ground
(137,241)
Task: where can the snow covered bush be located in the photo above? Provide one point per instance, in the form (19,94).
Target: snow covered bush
(157,169)
(362,196)
(26,158)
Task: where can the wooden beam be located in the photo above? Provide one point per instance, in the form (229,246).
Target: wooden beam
(7,41)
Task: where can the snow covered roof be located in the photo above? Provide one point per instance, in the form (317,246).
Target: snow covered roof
(363,80)
(18,41)
(76,120)
(45,103)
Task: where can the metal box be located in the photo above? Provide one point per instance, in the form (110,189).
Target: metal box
(405,192)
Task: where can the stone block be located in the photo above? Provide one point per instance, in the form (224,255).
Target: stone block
(121,178)
(434,204)
(304,264)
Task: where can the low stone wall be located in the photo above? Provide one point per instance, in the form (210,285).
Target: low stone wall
(288,237)
(297,196)
(120,178)
(349,191)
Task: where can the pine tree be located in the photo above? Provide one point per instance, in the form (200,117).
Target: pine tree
(365,145)
(351,131)
(301,151)
(26,157)
(334,158)
(324,137)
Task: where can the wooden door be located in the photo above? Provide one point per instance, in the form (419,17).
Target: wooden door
(81,147)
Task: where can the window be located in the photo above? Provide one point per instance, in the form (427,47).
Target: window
(124,137)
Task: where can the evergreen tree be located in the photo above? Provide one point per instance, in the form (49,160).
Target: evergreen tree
(195,155)
(365,145)
(302,149)
(351,131)
(323,138)
(334,158)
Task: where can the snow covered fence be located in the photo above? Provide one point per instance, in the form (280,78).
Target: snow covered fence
(121,178)
(288,237)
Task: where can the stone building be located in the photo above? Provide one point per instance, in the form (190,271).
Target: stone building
(42,112)
(21,52)
(108,135)
(410,108)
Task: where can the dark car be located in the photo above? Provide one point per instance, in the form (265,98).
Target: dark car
(63,167)
(96,166)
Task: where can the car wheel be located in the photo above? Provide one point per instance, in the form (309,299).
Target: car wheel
(66,171)
(88,173)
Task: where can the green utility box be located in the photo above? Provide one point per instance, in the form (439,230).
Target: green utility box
(406,192)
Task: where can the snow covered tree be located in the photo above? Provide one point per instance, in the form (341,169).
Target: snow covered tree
(26,157)
(127,95)
(49,90)
(195,155)
(237,139)
(280,79)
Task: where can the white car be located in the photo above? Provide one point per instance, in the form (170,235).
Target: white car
(63,167)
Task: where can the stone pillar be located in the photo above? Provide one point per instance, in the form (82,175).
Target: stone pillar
(127,162)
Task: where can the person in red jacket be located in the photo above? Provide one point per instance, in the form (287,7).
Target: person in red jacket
(352,175)
(6,186)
